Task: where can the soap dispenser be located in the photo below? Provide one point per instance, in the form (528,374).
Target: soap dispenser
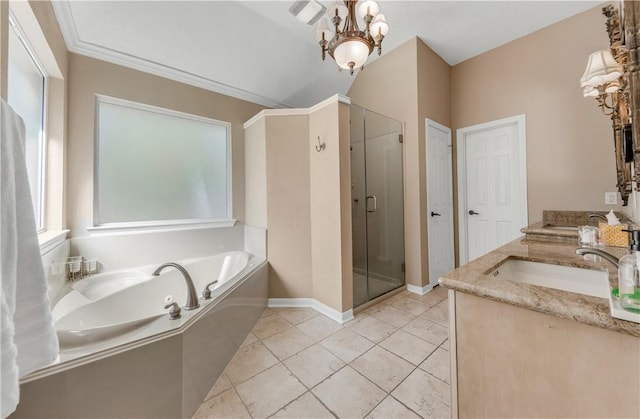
(629,274)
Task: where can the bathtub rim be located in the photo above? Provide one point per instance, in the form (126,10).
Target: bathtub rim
(66,308)
(188,319)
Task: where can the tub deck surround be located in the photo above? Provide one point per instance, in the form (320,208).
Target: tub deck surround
(93,321)
(471,279)
(164,374)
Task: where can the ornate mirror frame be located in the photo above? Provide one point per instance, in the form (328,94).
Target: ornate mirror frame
(631,21)
(620,109)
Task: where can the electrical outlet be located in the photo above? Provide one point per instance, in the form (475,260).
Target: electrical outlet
(611,198)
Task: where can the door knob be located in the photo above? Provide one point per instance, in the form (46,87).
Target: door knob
(472,212)
(435,214)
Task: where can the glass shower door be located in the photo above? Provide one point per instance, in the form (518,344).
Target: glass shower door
(358,210)
(377,207)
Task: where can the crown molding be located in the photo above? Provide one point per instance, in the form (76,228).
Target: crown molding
(337,98)
(275,112)
(74,44)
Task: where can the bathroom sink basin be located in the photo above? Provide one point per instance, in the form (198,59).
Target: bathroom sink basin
(565,278)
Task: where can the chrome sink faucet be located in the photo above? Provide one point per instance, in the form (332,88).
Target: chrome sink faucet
(192,296)
(607,256)
(595,215)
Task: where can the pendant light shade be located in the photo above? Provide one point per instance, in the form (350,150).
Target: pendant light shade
(351,53)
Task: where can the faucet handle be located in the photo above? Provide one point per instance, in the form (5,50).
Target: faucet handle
(206,293)
(175,312)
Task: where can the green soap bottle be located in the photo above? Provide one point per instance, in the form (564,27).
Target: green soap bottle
(629,275)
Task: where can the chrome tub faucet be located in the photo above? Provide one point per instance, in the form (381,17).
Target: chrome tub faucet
(192,296)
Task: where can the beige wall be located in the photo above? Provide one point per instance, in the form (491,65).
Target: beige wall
(330,174)
(89,77)
(570,154)
(434,102)
(303,200)
(255,174)
(409,83)
(43,12)
(288,206)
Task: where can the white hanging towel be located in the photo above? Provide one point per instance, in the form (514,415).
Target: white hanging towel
(27,334)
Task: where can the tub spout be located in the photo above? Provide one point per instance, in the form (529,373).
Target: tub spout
(192,296)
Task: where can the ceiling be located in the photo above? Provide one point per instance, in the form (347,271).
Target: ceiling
(257,51)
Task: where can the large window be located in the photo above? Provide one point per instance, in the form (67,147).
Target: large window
(26,95)
(156,166)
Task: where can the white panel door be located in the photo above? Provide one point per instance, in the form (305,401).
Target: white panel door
(495,199)
(439,201)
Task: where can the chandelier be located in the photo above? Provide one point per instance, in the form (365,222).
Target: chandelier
(350,47)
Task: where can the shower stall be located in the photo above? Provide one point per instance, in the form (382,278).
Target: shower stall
(377,204)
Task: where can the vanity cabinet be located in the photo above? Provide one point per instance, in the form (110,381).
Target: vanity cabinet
(524,350)
(515,362)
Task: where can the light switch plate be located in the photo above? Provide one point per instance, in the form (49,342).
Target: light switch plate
(611,198)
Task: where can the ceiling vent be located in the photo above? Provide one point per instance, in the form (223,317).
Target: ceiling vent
(307,11)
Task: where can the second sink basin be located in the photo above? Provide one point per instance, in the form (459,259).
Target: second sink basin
(565,278)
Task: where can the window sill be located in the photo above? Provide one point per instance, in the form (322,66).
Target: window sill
(48,240)
(151,227)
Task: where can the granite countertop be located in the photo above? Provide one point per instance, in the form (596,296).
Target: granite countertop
(551,232)
(471,279)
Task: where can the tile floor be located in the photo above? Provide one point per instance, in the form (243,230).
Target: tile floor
(391,361)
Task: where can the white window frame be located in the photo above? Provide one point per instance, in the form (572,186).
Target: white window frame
(159,224)
(15,26)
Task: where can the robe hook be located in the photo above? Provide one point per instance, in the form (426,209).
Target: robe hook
(320,146)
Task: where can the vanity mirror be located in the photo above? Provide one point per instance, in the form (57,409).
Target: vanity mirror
(611,77)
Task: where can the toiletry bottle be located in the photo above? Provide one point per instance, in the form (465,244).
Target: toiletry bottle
(628,275)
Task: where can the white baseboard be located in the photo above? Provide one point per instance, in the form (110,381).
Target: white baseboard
(321,308)
(420,290)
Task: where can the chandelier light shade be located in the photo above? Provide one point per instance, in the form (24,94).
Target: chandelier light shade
(368,7)
(348,45)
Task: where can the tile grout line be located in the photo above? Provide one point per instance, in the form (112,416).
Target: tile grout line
(308,390)
(349,364)
(392,390)
(260,341)
(415,367)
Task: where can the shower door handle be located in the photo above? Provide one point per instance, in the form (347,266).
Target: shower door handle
(375,203)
